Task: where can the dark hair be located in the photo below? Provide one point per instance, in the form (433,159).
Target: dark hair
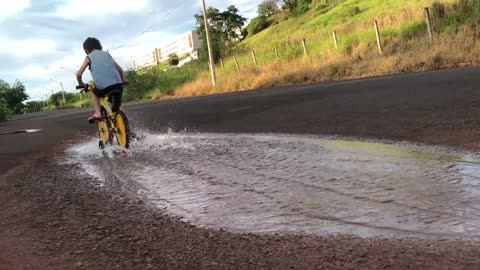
(91,44)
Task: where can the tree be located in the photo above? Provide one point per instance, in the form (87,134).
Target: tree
(173,59)
(233,23)
(290,4)
(267,8)
(4,112)
(56,99)
(256,25)
(13,96)
(297,7)
(224,28)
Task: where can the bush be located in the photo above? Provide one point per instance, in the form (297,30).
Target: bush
(467,6)
(321,7)
(267,8)
(438,10)
(302,7)
(464,12)
(256,25)
(173,59)
(157,80)
(464,6)
(4,112)
(354,11)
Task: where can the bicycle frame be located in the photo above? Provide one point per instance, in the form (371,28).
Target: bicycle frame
(107,128)
(103,100)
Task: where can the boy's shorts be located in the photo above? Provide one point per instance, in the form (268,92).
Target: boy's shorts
(105,91)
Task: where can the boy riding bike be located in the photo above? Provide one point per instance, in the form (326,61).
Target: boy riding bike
(106,73)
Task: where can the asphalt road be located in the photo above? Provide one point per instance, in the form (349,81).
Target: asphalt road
(438,107)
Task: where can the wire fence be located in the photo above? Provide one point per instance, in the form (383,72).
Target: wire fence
(292,49)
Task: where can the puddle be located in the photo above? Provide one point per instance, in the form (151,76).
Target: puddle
(298,184)
(20,131)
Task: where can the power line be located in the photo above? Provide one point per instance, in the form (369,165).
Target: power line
(151,27)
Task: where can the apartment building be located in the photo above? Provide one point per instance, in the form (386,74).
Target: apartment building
(188,43)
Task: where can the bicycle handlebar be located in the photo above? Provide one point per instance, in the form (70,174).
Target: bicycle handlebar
(78,87)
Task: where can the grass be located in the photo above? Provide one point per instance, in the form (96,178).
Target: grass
(403,32)
(322,19)
(158,82)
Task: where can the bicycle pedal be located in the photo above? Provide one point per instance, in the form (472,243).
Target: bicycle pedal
(93,121)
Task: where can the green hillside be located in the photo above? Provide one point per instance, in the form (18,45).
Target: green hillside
(351,19)
(404,38)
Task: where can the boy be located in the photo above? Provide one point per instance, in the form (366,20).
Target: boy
(106,73)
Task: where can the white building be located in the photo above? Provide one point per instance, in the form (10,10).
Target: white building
(185,44)
(188,43)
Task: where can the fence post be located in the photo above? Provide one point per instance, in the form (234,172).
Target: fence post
(221,63)
(379,41)
(254,58)
(236,62)
(276,51)
(335,41)
(429,23)
(134,65)
(304,46)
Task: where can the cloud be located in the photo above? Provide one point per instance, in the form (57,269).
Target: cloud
(28,48)
(37,38)
(94,8)
(12,7)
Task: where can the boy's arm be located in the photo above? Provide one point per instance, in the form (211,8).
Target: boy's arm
(81,70)
(120,70)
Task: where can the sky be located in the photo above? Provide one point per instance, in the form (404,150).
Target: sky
(41,40)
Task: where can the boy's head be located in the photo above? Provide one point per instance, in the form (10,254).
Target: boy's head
(91,44)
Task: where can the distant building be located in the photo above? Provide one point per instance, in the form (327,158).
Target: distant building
(186,44)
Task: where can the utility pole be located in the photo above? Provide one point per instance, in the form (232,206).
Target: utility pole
(61,84)
(71,71)
(46,102)
(210,55)
(63,95)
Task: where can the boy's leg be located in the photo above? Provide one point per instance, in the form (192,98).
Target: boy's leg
(96,105)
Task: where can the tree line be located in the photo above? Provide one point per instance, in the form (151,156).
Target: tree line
(11,99)
(227,28)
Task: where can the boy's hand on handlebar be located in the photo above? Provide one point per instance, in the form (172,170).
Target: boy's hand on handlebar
(81,86)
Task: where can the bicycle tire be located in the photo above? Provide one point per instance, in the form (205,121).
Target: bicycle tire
(122,127)
(104,128)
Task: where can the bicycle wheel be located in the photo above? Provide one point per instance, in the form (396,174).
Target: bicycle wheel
(122,129)
(103,127)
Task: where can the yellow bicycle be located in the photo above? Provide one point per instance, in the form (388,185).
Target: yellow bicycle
(114,123)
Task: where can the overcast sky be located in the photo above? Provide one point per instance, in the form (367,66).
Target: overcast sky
(39,37)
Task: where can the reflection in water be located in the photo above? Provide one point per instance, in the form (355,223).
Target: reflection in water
(299,184)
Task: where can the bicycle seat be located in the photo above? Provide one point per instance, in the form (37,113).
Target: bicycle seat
(114,92)
(115,98)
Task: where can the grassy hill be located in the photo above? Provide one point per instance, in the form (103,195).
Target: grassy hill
(352,19)
(403,31)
